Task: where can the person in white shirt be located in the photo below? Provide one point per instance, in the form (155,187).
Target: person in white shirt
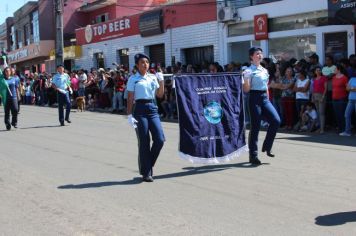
(309,118)
(82,80)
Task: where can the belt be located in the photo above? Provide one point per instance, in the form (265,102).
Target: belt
(258,91)
(143,101)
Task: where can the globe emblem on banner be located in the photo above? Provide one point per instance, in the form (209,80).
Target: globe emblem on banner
(213,112)
(88,33)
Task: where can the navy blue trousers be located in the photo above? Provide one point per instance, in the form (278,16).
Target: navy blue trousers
(63,99)
(260,107)
(339,107)
(148,123)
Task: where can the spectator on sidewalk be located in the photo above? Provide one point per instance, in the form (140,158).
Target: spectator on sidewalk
(351,106)
(301,89)
(118,99)
(319,96)
(339,95)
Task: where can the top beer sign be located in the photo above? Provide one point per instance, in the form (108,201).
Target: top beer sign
(107,30)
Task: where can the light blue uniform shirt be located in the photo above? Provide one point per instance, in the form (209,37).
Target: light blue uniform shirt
(144,87)
(258,77)
(352,83)
(61,81)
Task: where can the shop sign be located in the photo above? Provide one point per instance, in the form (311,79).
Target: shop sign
(151,23)
(107,30)
(18,55)
(342,12)
(261,27)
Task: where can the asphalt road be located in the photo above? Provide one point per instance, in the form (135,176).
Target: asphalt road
(82,179)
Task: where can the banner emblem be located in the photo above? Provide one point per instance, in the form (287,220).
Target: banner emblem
(213,112)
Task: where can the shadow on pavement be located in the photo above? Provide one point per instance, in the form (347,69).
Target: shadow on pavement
(41,126)
(101,184)
(189,171)
(324,139)
(339,218)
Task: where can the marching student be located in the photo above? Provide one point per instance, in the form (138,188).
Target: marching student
(60,83)
(255,81)
(142,112)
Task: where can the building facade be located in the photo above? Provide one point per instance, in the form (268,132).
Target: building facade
(295,29)
(3,37)
(186,31)
(29,41)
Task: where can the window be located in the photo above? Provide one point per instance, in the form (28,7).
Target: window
(299,21)
(13,38)
(102,18)
(27,34)
(239,50)
(19,39)
(298,47)
(240,29)
(247,3)
(35,27)
(123,57)
(99,60)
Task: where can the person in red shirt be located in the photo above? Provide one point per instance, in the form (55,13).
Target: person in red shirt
(74,84)
(118,99)
(320,83)
(339,95)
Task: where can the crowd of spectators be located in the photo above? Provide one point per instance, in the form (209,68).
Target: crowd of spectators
(307,95)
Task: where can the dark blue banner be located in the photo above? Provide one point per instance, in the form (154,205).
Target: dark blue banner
(211,117)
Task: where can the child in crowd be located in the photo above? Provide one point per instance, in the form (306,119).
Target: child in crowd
(309,118)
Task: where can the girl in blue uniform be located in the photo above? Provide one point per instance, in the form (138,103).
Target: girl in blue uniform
(255,81)
(142,111)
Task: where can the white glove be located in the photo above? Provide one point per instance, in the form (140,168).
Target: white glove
(70,90)
(159,76)
(132,121)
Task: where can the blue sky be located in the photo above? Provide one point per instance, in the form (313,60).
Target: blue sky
(8,7)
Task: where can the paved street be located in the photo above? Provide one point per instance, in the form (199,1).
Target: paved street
(82,179)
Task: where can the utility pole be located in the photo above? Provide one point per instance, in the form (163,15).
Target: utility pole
(58,8)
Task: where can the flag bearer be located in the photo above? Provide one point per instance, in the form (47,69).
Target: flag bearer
(255,81)
(142,111)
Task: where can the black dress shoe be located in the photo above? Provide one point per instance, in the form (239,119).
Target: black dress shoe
(14,125)
(255,161)
(62,123)
(147,178)
(68,120)
(8,126)
(269,153)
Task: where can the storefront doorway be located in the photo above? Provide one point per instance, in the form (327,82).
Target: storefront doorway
(99,60)
(157,54)
(199,56)
(335,44)
(123,57)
